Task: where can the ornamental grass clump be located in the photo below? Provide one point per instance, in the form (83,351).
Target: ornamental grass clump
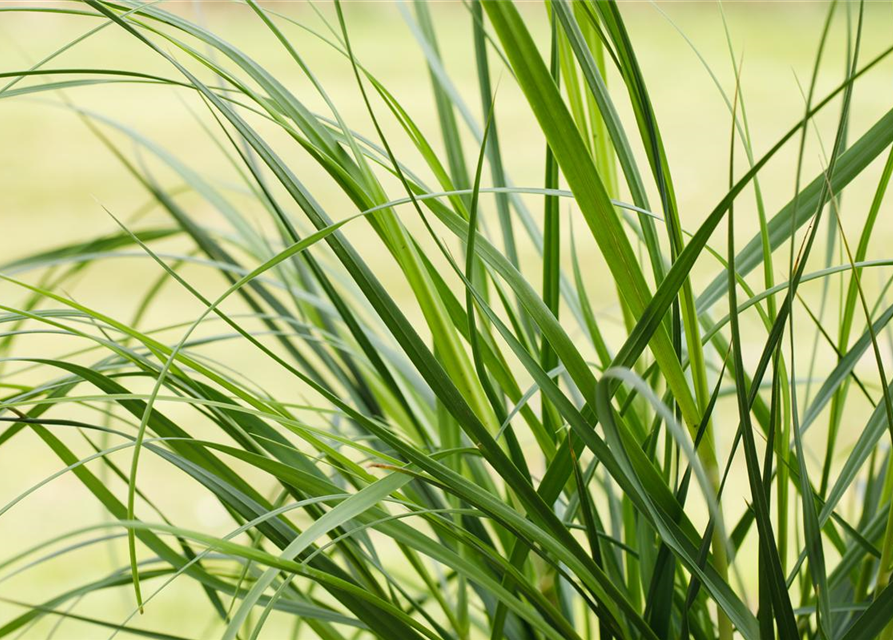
(420,399)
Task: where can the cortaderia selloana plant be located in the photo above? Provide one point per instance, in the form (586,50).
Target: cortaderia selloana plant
(428,401)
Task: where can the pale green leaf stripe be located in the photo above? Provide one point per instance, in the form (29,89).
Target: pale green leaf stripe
(353,506)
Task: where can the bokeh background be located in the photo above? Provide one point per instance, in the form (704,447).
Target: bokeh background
(56,179)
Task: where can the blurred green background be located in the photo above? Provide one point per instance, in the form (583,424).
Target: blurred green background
(56,178)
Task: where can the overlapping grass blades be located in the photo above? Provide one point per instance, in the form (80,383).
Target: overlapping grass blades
(478,458)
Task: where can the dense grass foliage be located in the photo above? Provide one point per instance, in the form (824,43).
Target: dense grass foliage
(482,457)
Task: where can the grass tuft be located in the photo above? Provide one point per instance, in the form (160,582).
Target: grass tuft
(388,367)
